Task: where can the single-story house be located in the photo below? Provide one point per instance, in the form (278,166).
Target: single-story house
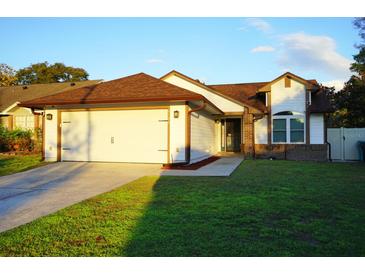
(13,116)
(176,119)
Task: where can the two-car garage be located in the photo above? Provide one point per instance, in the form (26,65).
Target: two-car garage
(134,119)
(128,135)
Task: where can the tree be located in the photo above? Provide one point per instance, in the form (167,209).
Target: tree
(349,103)
(7,76)
(42,73)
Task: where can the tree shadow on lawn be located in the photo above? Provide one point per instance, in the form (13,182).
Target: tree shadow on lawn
(233,217)
(265,208)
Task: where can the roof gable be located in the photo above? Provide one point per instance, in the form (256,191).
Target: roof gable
(309,84)
(240,101)
(244,92)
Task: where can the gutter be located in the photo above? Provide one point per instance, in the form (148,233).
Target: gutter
(34,113)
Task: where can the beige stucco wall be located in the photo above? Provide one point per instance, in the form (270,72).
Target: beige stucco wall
(177,133)
(50,136)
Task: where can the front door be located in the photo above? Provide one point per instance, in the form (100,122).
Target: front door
(233,135)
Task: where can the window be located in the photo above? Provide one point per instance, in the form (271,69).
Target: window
(288,127)
(24,122)
(296,130)
(279,131)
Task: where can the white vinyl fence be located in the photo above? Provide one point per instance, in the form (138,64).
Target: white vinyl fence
(344,143)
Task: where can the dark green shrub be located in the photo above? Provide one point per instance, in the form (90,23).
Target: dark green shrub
(16,140)
(4,138)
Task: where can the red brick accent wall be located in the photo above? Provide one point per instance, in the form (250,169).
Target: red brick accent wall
(248,133)
(292,152)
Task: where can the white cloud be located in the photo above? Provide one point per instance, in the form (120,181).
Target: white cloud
(262,49)
(313,53)
(154,61)
(338,84)
(259,24)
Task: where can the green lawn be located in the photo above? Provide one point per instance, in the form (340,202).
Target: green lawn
(266,208)
(10,164)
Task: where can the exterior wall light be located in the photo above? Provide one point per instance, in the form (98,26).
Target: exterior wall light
(49,116)
(176,114)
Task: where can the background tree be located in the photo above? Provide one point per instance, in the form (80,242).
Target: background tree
(7,76)
(42,73)
(349,103)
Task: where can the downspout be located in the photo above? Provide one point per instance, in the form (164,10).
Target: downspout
(188,131)
(325,138)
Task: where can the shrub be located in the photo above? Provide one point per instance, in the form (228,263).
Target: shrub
(16,140)
(4,138)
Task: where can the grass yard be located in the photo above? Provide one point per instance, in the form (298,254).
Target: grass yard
(266,208)
(10,164)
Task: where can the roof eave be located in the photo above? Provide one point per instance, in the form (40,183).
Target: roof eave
(127,100)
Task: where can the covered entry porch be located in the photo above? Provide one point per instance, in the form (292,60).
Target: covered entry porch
(230,134)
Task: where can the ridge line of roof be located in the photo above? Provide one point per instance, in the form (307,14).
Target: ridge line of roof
(248,83)
(15,86)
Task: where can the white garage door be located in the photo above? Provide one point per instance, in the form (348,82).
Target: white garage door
(138,136)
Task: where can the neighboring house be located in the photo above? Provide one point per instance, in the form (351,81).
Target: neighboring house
(12,116)
(176,119)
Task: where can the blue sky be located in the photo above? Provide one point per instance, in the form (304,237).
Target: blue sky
(215,50)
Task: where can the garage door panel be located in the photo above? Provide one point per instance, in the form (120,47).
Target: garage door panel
(115,136)
(74,138)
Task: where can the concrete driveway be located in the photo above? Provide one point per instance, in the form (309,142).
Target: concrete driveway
(31,194)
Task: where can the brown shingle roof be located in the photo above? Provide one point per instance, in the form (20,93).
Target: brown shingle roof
(225,91)
(247,93)
(12,94)
(135,88)
(244,92)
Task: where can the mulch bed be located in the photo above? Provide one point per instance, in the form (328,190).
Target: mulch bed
(194,166)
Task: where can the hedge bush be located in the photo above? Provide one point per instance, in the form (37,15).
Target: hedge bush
(16,140)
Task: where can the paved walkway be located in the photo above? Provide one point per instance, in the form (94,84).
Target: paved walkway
(29,195)
(222,167)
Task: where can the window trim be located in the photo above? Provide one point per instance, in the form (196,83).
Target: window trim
(288,130)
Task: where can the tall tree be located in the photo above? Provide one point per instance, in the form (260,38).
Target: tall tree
(350,101)
(42,73)
(7,76)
